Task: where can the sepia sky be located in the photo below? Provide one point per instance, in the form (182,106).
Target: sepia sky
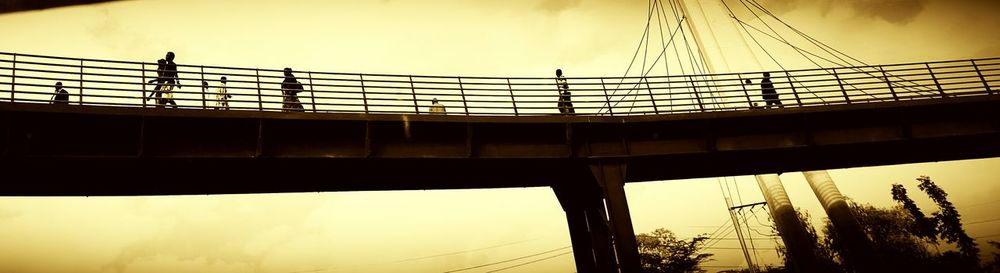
(436,231)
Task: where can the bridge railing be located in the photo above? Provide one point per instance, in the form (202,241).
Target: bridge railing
(28,78)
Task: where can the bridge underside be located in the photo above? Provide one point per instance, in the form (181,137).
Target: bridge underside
(206,152)
(52,150)
(74,150)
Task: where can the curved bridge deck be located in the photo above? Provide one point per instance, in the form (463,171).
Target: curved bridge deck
(372,132)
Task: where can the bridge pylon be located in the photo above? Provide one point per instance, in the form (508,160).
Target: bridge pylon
(599,221)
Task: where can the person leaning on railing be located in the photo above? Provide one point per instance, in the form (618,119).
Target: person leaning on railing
(290,88)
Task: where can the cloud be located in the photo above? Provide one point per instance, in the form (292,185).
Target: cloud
(237,231)
(557,6)
(110,32)
(892,11)
(989,51)
(899,12)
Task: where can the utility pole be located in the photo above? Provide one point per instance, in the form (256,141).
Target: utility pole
(736,225)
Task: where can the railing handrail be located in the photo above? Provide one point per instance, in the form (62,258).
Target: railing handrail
(115,83)
(490,77)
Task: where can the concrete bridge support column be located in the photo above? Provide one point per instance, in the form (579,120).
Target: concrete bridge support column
(860,253)
(611,178)
(588,226)
(600,245)
(801,249)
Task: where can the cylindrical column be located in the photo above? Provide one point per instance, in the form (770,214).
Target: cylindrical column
(860,253)
(793,233)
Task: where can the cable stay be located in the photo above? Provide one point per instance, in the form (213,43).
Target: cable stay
(695,65)
(826,48)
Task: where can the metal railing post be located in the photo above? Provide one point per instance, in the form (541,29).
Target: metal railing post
(607,99)
(81,82)
(143,71)
(512,100)
(696,96)
(936,83)
(841,84)
(204,91)
(312,94)
(13,77)
(745,92)
(651,99)
(985,84)
(889,83)
(260,97)
(364,96)
(413,91)
(464,101)
(791,83)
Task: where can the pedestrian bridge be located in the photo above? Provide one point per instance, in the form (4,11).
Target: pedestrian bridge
(373,132)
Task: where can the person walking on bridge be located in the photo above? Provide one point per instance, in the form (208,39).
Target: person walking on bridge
(166,80)
(222,95)
(565,103)
(290,89)
(61,96)
(768,92)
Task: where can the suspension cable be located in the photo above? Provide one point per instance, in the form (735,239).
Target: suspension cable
(823,46)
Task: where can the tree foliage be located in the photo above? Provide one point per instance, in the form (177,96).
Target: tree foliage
(994,264)
(890,231)
(661,252)
(923,226)
(905,238)
(949,221)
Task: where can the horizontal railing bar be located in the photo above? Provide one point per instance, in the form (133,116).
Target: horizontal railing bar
(383,93)
(470,77)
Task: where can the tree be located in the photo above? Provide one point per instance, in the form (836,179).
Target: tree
(891,233)
(949,221)
(662,252)
(902,236)
(826,258)
(923,227)
(994,264)
(945,224)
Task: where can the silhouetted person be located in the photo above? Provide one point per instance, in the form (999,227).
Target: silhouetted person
(167,79)
(436,107)
(768,92)
(61,96)
(161,64)
(204,90)
(222,95)
(289,91)
(749,84)
(565,104)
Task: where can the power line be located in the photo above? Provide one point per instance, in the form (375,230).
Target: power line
(740,248)
(982,221)
(979,204)
(530,262)
(987,236)
(465,251)
(426,257)
(509,260)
